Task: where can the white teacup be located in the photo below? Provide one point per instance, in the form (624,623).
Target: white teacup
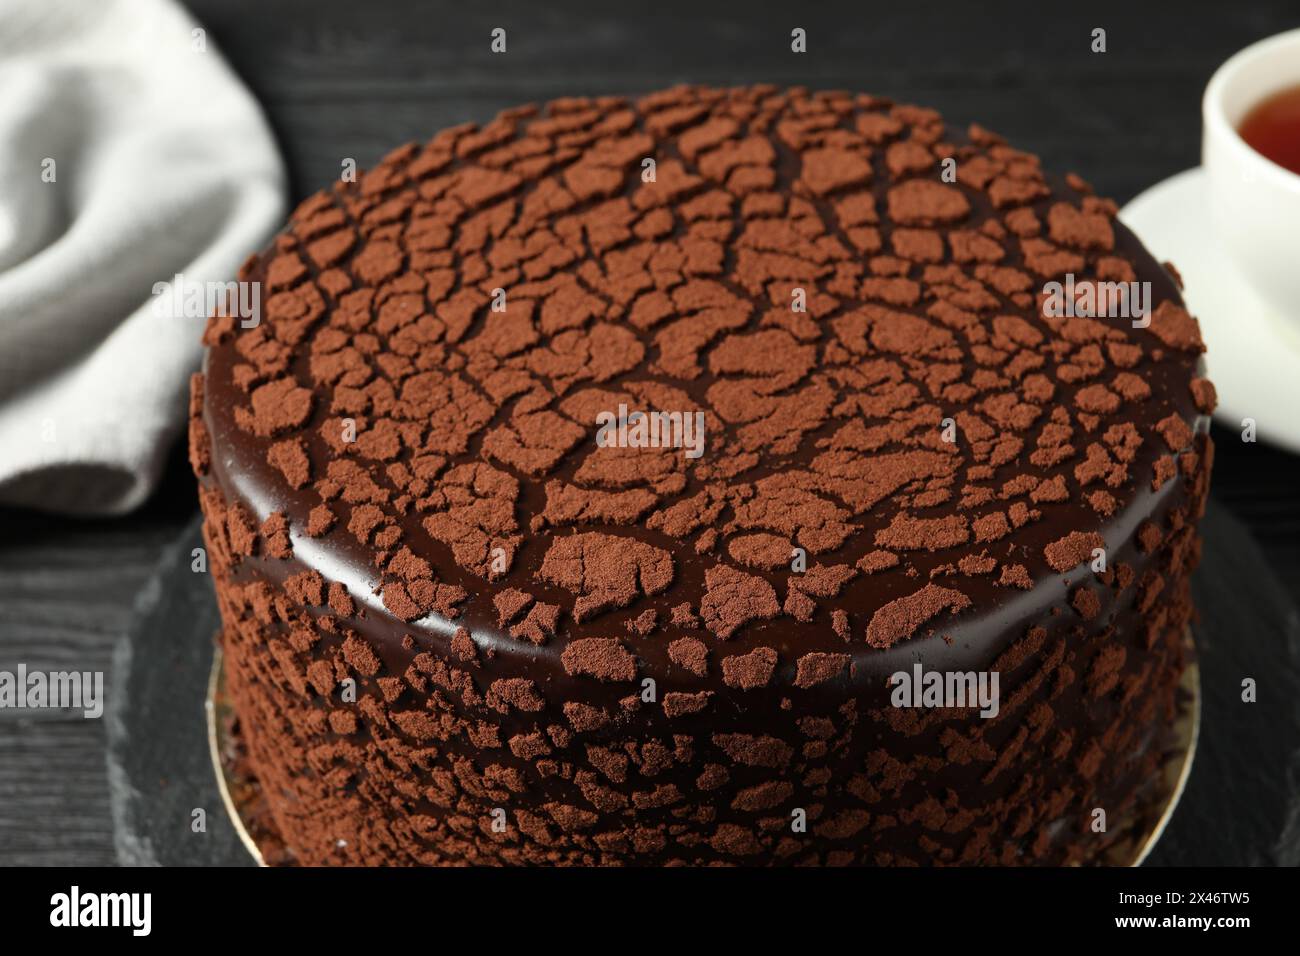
(1255,204)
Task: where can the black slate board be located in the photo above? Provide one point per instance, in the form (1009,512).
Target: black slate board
(1241,806)
(159,767)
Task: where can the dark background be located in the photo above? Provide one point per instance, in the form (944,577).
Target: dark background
(342,78)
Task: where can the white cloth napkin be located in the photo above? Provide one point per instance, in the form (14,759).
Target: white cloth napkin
(161,165)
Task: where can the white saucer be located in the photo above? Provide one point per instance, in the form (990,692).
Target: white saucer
(1252,354)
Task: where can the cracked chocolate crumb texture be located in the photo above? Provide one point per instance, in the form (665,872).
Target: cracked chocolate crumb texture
(609,645)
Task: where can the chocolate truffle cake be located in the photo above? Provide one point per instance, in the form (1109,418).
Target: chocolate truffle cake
(590,475)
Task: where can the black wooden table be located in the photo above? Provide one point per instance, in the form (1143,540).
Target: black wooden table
(341,79)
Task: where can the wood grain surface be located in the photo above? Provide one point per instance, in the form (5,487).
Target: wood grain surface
(341,79)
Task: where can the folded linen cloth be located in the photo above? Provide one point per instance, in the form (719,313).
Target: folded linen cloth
(130,154)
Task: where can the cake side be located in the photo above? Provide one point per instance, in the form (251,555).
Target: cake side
(500,587)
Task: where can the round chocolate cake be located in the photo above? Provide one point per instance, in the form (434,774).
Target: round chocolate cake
(596,482)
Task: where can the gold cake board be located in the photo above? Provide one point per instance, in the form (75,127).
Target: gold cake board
(241,793)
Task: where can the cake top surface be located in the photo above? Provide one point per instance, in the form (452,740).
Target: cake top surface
(770,367)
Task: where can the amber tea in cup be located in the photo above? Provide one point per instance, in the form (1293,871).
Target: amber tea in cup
(1272,128)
